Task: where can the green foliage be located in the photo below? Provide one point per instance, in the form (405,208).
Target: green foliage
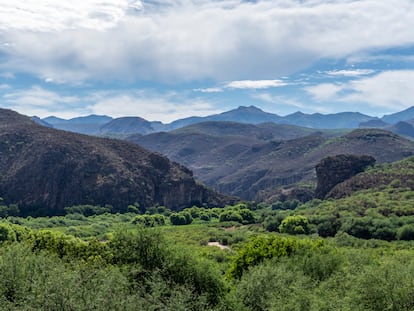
(181,218)
(264,247)
(88,210)
(10,210)
(7,233)
(231,215)
(406,232)
(144,247)
(285,205)
(150,220)
(294,225)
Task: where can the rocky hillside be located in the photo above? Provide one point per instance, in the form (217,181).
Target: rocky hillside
(243,163)
(333,170)
(43,170)
(398,174)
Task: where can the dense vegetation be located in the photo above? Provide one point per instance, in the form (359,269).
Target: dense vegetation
(152,262)
(353,251)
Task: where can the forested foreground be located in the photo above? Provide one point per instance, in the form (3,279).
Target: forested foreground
(119,264)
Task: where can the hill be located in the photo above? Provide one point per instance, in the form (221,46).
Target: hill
(254,161)
(129,125)
(399,116)
(327,121)
(84,125)
(43,170)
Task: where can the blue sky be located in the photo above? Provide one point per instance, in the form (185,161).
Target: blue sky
(164,60)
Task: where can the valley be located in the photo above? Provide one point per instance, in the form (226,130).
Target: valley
(324,216)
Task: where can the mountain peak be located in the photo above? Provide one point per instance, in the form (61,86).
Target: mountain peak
(250,108)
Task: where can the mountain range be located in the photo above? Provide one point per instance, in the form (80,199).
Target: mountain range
(121,127)
(44,170)
(261,162)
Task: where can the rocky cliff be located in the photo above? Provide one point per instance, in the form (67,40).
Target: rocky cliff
(44,170)
(333,170)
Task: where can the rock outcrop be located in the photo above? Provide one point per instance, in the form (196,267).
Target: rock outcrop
(44,170)
(333,170)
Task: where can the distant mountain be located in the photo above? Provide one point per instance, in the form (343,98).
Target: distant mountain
(327,121)
(252,161)
(84,125)
(402,128)
(250,115)
(44,170)
(399,116)
(374,123)
(106,126)
(127,126)
(39,121)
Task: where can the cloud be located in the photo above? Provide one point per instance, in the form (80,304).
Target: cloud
(184,40)
(40,102)
(391,90)
(324,91)
(151,106)
(209,90)
(350,73)
(49,15)
(255,84)
(244,84)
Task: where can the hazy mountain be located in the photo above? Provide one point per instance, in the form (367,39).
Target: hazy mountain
(127,126)
(85,125)
(402,128)
(39,121)
(106,126)
(374,123)
(327,121)
(44,170)
(399,116)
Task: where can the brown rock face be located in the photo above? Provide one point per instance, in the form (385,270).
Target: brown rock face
(44,170)
(333,170)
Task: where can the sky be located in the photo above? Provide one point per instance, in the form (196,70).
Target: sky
(166,60)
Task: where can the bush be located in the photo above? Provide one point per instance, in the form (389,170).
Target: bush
(406,233)
(150,220)
(231,215)
(294,225)
(264,247)
(181,218)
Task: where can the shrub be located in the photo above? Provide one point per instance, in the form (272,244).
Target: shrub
(294,225)
(231,215)
(406,233)
(181,218)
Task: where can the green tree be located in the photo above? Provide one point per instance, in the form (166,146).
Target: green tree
(294,225)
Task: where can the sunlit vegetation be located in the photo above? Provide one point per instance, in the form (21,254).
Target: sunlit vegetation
(354,253)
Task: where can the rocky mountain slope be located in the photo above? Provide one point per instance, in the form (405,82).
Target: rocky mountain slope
(43,170)
(238,162)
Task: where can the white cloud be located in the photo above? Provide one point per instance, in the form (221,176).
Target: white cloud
(255,84)
(350,73)
(50,15)
(4,86)
(389,89)
(40,102)
(209,90)
(324,91)
(153,107)
(177,40)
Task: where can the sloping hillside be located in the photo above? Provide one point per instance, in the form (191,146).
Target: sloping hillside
(252,168)
(43,170)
